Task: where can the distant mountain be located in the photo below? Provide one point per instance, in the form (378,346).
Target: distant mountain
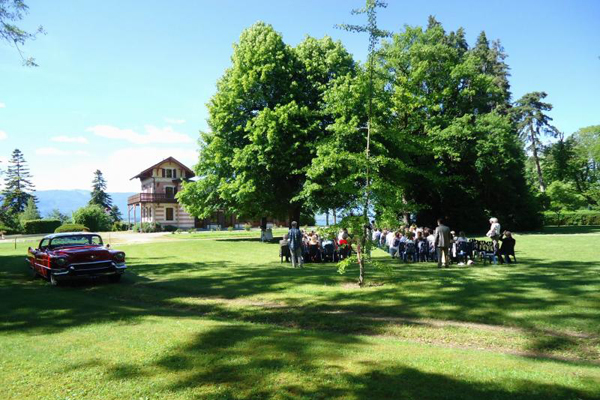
(68,201)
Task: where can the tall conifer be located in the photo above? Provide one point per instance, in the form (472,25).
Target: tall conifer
(18,187)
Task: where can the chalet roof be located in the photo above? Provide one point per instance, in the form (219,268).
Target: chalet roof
(189,172)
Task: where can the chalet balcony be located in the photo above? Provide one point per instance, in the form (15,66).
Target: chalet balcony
(151,198)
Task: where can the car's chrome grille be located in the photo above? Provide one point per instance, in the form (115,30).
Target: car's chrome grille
(91,266)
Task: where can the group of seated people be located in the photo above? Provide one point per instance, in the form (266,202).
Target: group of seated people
(408,243)
(411,243)
(316,248)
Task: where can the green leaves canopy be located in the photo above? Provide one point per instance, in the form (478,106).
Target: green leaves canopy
(288,130)
(265,121)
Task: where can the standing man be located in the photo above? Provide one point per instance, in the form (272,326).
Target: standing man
(442,243)
(295,237)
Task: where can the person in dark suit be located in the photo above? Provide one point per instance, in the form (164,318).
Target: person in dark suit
(507,249)
(442,243)
(295,238)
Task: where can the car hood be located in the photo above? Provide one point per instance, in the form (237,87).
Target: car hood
(85,254)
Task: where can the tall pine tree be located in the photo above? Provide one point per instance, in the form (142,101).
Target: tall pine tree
(533,123)
(99,195)
(18,187)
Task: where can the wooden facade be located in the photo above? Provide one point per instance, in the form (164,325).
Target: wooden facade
(157,202)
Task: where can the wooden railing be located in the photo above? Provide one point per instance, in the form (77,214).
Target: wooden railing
(151,198)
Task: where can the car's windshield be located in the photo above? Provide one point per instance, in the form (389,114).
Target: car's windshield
(76,240)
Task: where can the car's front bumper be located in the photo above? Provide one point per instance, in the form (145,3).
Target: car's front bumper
(83,270)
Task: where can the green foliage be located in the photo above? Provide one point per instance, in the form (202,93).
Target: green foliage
(230,228)
(71,228)
(564,197)
(30,213)
(148,227)
(533,124)
(119,226)
(99,197)
(447,149)
(56,214)
(589,137)
(169,228)
(579,217)
(41,226)
(17,184)
(11,12)
(94,217)
(247,227)
(8,229)
(265,119)
(575,161)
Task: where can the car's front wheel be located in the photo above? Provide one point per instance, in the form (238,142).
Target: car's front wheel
(114,278)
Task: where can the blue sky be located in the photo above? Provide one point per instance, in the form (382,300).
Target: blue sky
(123,84)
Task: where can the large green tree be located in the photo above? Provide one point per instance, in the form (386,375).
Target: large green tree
(533,122)
(442,144)
(18,187)
(573,160)
(265,121)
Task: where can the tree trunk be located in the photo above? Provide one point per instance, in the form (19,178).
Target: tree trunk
(537,165)
(361,246)
(327,217)
(294,215)
(334,216)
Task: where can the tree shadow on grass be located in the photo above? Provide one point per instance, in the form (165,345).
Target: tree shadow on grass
(252,362)
(156,289)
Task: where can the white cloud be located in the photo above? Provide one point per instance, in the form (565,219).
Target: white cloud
(174,121)
(69,139)
(53,151)
(2,105)
(118,168)
(153,134)
(3,135)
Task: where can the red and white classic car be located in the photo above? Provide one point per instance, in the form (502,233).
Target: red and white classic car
(65,256)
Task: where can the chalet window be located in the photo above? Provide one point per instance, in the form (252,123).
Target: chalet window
(170,191)
(169,212)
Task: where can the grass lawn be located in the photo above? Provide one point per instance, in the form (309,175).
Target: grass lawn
(212,316)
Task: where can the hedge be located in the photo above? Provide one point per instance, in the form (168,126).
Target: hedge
(40,226)
(71,228)
(582,217)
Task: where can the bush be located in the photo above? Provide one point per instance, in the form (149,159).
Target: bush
(230,229)
(170,228)
(581,217)
(247,226)
(94,217)
(147,227)
(41,226)
(119,226)
(71,228)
